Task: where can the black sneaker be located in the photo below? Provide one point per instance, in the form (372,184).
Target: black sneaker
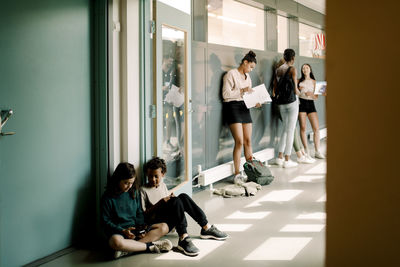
(187,247)
(213,233)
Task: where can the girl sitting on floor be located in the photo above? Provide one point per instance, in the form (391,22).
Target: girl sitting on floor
(159,205)
(122,216)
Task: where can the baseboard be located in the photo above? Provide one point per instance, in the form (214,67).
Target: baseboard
(50,257)
(222,171)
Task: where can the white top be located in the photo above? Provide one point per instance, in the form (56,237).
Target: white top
(151,195)
(308,87)
(233,82)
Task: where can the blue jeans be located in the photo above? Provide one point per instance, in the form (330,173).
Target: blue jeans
(289,114)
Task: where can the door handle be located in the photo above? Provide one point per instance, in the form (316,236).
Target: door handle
(4,116)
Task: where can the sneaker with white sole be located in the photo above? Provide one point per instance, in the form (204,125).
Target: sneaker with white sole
(118,254)
(279,161)
(319,155)
(213,233)
(311,159)
(239,179)
(162,246)
(305,160)
(289,164)
(187,247)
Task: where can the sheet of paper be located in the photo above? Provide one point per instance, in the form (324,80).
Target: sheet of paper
(175,97)
(320,88)
(259,95)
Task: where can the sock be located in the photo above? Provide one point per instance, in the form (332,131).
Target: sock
(149,247)
(206,227)
(183,237)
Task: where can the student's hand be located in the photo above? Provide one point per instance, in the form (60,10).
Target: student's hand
(128,232)
(167,198)
(258,105)
(309,94)
(142,235)
(245,90)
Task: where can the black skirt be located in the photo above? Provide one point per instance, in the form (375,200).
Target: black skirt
(307,106)
(236,112)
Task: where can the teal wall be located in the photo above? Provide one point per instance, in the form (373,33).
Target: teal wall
(47,188)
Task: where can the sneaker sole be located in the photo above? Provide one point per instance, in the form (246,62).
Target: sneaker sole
(188,253)
(286,167)
(212,237)
(304,162)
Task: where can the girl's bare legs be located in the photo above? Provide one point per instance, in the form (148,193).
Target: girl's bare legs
(303,126)
(237,133)
(157,231)
(118,242)
(247,131)
(313,117)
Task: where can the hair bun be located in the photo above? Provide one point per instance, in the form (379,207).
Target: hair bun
(251,53)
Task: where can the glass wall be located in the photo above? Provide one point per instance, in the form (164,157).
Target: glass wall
(173,89)
(312,41)
(235,24)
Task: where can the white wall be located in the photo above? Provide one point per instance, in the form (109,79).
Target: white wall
(124,94)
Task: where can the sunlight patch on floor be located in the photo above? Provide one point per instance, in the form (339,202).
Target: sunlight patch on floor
(205,247)
(248,215)
(230,227)
(279,248)
(318,169)
(306,178)
(312,216)
(322,199)
(276,196)
(309,228)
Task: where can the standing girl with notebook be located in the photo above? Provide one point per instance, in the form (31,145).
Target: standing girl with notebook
(237,82)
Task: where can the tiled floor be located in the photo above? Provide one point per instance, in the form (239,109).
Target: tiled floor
(282,226)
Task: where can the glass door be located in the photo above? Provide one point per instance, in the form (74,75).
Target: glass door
(172,91)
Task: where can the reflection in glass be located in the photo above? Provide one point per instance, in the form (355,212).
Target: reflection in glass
(312,41)
(173,88)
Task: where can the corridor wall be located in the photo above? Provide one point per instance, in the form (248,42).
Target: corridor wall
(47,187)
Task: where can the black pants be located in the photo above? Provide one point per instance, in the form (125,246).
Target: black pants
(173,213)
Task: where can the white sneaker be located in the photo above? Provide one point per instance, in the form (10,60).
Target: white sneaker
(239,179)
(311,159)
(118,254)
(289,164)
(279,161)
(305,160)
(162,245)
(319,155)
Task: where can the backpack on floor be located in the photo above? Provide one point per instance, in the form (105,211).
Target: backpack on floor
(257,172)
